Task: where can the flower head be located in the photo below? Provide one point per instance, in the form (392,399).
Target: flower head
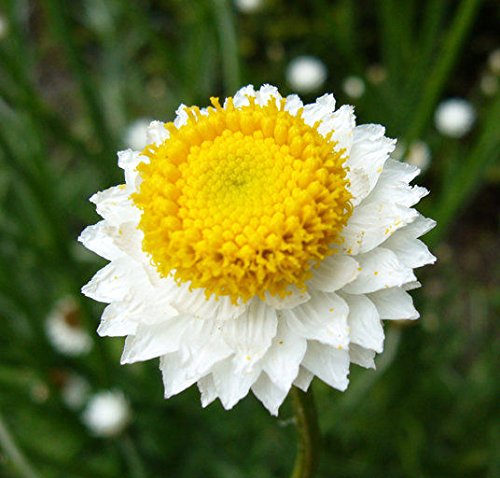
(257,243)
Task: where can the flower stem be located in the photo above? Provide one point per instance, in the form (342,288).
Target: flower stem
(306,418)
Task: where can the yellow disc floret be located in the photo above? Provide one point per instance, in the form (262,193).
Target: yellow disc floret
(242,201)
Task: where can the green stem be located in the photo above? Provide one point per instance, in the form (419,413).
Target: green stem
(14,453)
(306,418)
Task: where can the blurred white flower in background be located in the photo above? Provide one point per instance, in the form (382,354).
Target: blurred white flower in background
(488,84)
(75,391)
(107,413)
(419,155)
(248,6)
(454,117)
(376,74)
(353,86)
(494,61)
(135,134)
(306,73)
(64,330)
(4,27)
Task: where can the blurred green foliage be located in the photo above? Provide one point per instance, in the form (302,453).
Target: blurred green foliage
(75,74)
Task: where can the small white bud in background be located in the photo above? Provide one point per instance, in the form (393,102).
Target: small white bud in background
(419,155)
(306,74)
(64,329)
(353,86)
(4,27)
(107,414)
(494,61)
(75,391)
(135,136)
(454,117)
(248,6)
(489,84)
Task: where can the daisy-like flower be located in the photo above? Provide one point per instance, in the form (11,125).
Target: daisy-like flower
(257,244)
(454,117)
(306,73)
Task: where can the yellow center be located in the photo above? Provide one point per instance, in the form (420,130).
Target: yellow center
(242,201)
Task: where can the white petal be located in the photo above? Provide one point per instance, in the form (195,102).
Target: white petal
(372,223)
(115,321)
(334,272)
(341,123)
(394,304)
(369,152)
(295,298)
(380,269)
(232,385)
(319,110)
(269,394)
(194,302)
(113,281)
(241,96)
(128,160)
(207,389)
(328,363)
(98,238)
(157,133)
(364,322)
(202,347)
(282,360)
(359,184)
(361,356)
(154,340)
(303,379)
(323,318)
(393,185)
(251,334)
(114,205)
(293,104)
(266,93)
(181,116)
(411,251)
(174,379)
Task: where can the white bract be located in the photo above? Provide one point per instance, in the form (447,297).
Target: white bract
(306,74)
(454,117)
(106,414)
(267,343)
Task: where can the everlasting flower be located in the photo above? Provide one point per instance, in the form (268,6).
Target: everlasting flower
(454,117)
(107,414)
(257,244)
(64,329)
(306,74)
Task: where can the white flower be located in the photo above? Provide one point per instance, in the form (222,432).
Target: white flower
(257,244)
(107,413)
(454,117)
(354,87)
(64,329)
(419,155)
(306,73)
(135,134)
(248,6)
